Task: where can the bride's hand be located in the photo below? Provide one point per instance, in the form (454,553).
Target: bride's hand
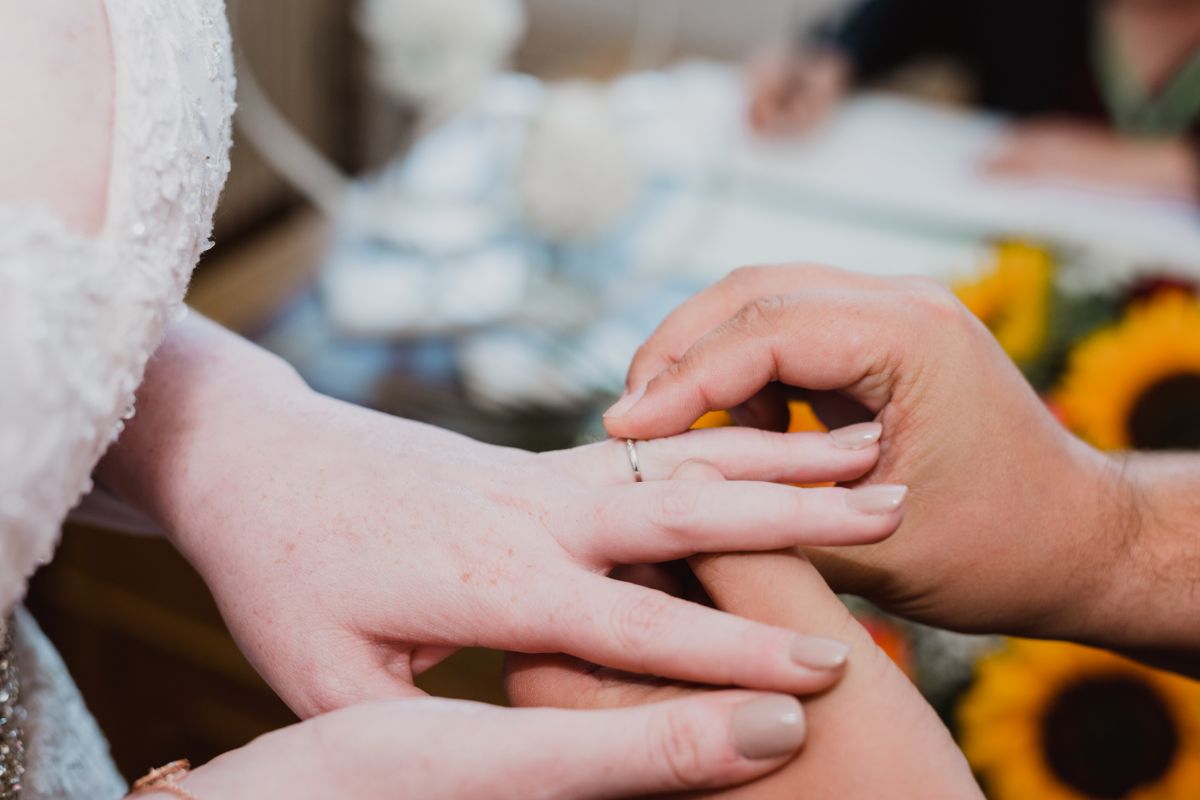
(872,735)
(447,749)
(350,550)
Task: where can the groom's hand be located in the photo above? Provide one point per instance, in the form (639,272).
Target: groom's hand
(1011,522)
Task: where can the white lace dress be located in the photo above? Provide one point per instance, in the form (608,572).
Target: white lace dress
(79,318)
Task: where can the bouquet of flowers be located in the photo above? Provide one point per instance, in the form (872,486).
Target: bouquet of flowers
(1117,358)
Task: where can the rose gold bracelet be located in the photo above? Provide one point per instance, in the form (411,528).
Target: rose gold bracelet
(166,779)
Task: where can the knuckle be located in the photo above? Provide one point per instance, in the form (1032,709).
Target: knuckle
(675,507)
(677,371)
(687,374)
(930,299)
(605,514)
(748,274)
(759,312)
(650,357)
(637,619)
(646,352)
(672,374)
(678,740)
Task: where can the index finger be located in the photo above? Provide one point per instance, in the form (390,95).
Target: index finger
(821,340)
(684,326)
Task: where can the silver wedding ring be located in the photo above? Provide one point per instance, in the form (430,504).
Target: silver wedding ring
(631,449)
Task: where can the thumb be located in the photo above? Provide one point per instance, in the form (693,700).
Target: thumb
(704,741)
(455,749)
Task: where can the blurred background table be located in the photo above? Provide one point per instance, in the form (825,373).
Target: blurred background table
(532,362)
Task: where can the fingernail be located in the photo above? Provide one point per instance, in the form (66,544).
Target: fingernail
(856,437)
(881,499)
(768,727)
(627,401)
(817,652)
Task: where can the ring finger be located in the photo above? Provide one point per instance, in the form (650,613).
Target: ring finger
(741,454)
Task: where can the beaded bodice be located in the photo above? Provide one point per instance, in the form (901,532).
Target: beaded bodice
(80,316)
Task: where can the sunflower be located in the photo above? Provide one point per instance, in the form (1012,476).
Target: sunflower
(1056,721)
(801,418)
(1013,299)
(1137,383)
(714,419)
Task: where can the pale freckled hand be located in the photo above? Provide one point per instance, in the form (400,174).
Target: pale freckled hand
(392,544)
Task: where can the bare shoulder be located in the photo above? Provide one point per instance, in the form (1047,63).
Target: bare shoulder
(56,78)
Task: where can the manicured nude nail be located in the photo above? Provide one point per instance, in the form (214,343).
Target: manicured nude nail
(768,727)
(627,401)
(856,437)
(881,499)
(816,652)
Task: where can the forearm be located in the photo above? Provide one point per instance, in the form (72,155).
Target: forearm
(232,455)
(1152,603)
(206,393)
(1111,559)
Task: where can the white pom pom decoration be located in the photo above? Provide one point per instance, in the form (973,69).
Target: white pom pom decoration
(436,54)
(578,175)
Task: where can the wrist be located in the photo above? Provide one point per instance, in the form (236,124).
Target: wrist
(1105,512)
(1070,525)
(1146,604)
(205,390)
(232,461)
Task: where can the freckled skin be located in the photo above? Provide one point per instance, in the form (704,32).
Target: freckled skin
(388,515)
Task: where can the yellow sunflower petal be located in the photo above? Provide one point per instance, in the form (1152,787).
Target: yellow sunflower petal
(802,418)
(714,419)
(1013,298)
(1112,369)
(1001,719)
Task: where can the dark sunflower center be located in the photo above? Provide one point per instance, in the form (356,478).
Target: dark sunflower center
(1167,415)
(1105,737)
